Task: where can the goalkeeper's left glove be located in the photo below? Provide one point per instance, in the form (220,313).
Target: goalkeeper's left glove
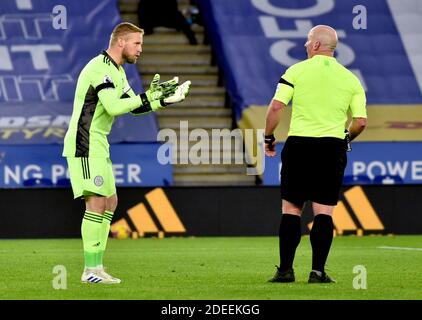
(153,98)
(180,94)
(168,88)
(162,90)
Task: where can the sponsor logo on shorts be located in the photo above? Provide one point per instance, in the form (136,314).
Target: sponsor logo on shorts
(98,181)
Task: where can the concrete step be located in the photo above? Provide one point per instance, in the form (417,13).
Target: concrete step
(127,5)
(196,80)
(203,101)
(172,70)
(206,90)
(170,38)
(205,152)
(162,31)
(201,156)
(195,27)
(212,133)
(218,154)
(213,180)
(199,159)
(194,122)
(131,6)
(175,59)
(209,169)
(196,112)
(131,17)
(176,48)
(198,91)
(212,142)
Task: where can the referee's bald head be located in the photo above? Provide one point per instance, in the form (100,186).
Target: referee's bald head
(322,39)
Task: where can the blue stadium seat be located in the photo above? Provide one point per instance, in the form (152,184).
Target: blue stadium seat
(388,179)
(359,179)
(38,182)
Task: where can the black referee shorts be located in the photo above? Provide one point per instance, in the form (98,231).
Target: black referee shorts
(312,169)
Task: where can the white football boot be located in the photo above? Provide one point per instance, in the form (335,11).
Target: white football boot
(98,276)
(107,276)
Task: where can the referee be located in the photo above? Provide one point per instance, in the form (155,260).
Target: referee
(314,154)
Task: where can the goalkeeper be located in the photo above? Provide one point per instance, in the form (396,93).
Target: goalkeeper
(102,93)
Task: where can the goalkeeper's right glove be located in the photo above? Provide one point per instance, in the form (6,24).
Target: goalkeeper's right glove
(153,98)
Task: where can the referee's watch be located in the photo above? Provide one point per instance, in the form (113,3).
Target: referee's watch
(347,141)
(270,141)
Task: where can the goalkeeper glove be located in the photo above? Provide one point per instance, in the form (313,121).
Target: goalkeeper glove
(169,87)
(179,95)
(159,95)
(162,90)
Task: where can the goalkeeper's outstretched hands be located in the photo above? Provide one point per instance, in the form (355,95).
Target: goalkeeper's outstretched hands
(160,95)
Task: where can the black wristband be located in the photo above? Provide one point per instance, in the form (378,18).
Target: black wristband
(269,139)
(347,140)
(144,99)
(163,104)
(144,107)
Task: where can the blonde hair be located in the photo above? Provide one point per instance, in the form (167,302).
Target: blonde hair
(123,29)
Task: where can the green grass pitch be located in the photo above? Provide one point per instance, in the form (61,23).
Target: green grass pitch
(212,268)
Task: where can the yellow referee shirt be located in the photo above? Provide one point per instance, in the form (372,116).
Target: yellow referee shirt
(323,91)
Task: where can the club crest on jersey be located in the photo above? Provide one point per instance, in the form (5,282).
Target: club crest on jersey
(98,181)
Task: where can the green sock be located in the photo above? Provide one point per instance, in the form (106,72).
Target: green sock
(105,229)
(91,231)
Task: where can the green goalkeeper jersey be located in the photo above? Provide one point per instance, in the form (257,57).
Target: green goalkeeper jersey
(102,92)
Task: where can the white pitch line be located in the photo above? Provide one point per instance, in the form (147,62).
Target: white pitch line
(400,248)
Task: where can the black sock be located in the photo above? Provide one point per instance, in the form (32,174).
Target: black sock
(321,239)
(289,236)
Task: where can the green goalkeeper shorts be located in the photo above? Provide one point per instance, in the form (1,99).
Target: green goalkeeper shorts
(91,176)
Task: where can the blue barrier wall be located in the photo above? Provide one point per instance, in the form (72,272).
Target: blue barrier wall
(368,163)
(134,165)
